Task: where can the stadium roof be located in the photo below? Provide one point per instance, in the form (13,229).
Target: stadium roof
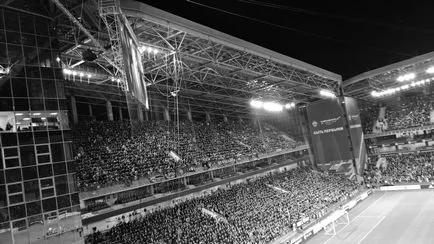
(218,72)
(380,79)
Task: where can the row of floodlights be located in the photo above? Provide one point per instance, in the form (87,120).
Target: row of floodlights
(149,50)
(411,76)
(77,73)
(84,74)
(327,93)
(34,114)
(394,90)
(271,106)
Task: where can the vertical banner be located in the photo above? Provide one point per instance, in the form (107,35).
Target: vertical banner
(329,139)
(133,65)
(356,131)
(431,116)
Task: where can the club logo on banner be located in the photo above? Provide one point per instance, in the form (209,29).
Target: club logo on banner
(329,137)
(330,121)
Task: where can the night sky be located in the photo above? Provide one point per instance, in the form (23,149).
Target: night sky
(345,37)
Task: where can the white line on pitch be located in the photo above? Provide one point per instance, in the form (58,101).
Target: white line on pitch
(373,228)
(372,204)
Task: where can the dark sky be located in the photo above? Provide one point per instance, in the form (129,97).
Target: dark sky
(345,37)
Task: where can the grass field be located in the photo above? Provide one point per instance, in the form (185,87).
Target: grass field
(399,217)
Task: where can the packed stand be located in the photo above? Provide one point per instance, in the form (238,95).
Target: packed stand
(114,152)
(368,116)
(412,111)
(95,206)
(252,212)
(409,167)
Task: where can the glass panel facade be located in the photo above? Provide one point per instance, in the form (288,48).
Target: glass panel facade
(36,159)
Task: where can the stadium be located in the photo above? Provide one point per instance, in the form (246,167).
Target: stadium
(124,123)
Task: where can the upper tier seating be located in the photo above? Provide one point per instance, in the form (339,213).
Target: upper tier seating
(113,152)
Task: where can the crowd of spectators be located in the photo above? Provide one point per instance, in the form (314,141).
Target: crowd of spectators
(410,111)
(401,168)
(368,116)
(95,206)
(257,211)
(113,152)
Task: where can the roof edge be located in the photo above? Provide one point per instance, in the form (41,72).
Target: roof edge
(390,67)
(142,10)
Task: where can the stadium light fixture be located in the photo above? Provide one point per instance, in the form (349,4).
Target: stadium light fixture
(273,107)
(4,71)
(327,93)
(430,70)
(58,59)
(406,77)
(394,90)
(290,105)
(256,104)
(19,114)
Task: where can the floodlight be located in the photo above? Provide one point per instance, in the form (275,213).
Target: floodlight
(327,93)
(256,103)
(430,70)
(406,77)
(273,107)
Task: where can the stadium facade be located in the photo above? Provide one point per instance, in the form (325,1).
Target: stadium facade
(38,193)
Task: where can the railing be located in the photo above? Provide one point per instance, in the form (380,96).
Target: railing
(394,132)
(99,190)
(91,218)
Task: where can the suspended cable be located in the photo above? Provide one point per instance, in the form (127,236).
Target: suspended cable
(333,16)
(332,39)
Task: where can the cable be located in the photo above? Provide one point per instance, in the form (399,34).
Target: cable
(339,17)
(301,31)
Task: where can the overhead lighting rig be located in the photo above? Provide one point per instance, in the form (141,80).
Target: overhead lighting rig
(391,91)
(405,87)
(327,93)
(271,106)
